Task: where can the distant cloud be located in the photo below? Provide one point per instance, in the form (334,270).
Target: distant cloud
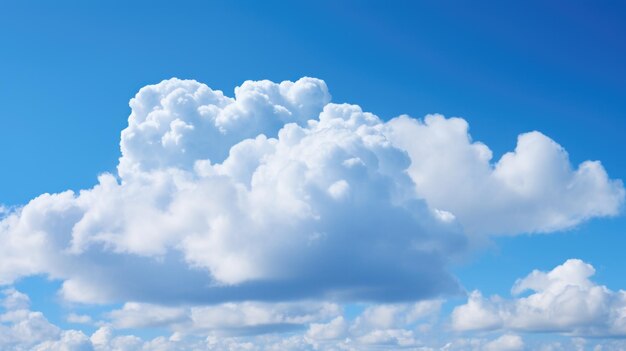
(21,328)
(563,300)
(279,195)
(79,318)
(260,327)
(230,319)
(506,342)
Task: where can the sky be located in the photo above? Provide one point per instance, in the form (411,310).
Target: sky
(353,175)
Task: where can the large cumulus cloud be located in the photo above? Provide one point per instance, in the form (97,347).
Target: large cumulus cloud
(278,194)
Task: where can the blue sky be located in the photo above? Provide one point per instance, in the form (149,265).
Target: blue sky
(69,69)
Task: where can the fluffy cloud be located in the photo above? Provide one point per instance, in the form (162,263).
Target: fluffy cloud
(531,189)
(320,324)
(231,326)
(279,195)
(71,340)
(328,329)
(563,300)
(21,328)
(177,122)
(334,330)
(394,316)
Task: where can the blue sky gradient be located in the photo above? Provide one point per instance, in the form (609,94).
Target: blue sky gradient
(69,68)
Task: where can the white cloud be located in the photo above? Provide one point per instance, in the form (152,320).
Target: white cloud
(224,319)
(269,326)
(137,315)
(254,317)
(278,194)
(317,325)
(563,300)
(327,331)
(71,340)
(21,328)
(399,338)
(506,342)
(395,316)
(79,318)
(532,189)
(15,300)
(333,330)
(101,337)
(477,314)
(176,122)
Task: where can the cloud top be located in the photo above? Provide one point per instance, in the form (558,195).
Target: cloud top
(177,122)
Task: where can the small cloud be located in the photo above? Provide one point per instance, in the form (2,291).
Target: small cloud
(563,299)
(79,318)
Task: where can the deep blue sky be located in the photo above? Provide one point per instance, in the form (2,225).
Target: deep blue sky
(68,70)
